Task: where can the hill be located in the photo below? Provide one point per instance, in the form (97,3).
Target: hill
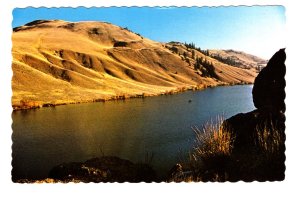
(238,59)
(59,62)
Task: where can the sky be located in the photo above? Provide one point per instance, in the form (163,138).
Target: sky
(258,30)
(277,191)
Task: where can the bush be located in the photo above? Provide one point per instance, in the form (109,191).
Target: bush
(211,152)
(212,140)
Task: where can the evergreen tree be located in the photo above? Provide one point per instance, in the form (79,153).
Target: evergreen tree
(193,54)
(197,64)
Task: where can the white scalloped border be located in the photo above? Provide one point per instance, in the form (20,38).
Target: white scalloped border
(239,190)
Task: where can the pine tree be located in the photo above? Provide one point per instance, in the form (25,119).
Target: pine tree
(193,54)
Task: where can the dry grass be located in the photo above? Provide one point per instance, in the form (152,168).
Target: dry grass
(77,62)
(269,140)
(212,140)
(211,158)
(270,157)
(211,153)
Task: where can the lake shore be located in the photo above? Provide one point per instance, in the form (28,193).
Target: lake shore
(128,129)
(28,104)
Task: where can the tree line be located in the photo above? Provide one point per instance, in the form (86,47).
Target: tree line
(207,68)
(229,60)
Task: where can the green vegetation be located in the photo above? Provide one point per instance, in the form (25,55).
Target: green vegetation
(229,60)
(193,54)
(127,29)
(205,52)
(206,67)
(192,46)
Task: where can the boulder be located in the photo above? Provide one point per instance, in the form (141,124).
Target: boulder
(103,169)
(268,90)
(258,147)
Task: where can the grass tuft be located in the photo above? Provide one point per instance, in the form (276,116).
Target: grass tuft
(212,158)
(212,140)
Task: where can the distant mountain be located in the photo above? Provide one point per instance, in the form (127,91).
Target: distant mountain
(238,59)
(58,62)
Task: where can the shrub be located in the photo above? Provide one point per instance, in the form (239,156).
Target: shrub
(210,156)
(269,140)
(212,140)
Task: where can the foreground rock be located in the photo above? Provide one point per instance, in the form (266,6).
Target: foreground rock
(103,169)
(268,91)
(259,135)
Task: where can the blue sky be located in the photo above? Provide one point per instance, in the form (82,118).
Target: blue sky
(259,30)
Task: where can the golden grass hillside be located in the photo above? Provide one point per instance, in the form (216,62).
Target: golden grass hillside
(242,59)
(58,62)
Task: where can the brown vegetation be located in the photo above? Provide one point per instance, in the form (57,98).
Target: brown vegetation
(212,158)
(57,62)
(247,146)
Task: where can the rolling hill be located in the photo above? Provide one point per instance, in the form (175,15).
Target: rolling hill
(58,62)
(238,58)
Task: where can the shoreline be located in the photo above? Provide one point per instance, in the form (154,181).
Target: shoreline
(32,105)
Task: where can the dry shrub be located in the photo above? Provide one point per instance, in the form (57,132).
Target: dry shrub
(269,140)
(212,157)
(212,140)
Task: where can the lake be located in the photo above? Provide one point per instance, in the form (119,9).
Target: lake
(129,129)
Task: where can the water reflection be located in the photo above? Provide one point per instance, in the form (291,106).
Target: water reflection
(129,129)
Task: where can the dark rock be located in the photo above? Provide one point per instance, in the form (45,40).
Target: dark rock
(175,170)
(268,90)
(103,169)
(244,127)
(258,147)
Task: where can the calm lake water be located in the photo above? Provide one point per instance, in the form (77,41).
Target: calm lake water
(129,129)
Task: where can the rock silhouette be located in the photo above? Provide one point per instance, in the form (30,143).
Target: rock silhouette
(103,169)
(268,119)
(268,90)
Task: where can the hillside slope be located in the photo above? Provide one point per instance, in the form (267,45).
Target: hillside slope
(239,58)
(58,62)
